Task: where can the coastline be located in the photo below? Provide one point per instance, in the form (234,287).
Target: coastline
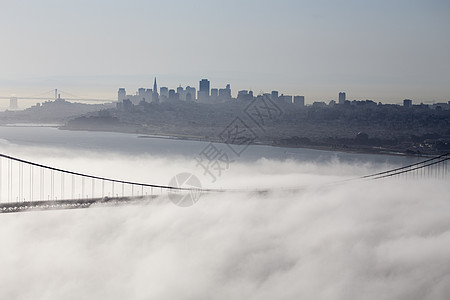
(328,148)
(198,138)
(54,125)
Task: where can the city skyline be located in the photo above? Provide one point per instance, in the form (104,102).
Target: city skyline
(386,50)
(180,92)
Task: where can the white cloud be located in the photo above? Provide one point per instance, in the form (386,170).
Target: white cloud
(371,240)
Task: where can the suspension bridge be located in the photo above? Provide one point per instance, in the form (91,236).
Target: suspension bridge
(26,185)
(55,95)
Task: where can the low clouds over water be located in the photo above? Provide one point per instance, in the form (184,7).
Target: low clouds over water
(363,240)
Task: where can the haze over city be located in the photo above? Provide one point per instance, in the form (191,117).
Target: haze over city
(384,50)
(212,149)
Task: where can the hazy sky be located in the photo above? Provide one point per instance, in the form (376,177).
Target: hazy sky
(381,50)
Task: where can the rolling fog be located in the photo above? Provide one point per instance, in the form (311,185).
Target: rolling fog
(385,239)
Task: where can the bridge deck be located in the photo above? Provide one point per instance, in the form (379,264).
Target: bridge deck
(13,207)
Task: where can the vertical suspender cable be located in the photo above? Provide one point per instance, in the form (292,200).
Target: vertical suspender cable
(63,182)
(21,182)
(52,192)
(18,183)
(73,187)
(82,187)
(31,182)
(41,184)
(9,180)
(1,160)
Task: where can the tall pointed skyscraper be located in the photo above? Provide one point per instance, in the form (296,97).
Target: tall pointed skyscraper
(155,92)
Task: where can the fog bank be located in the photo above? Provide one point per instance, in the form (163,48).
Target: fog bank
(386,239)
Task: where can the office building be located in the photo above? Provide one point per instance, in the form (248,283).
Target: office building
(225,94)
(275,95)
(342,98)
(190,93)
(181,93)
(299,100)
(164,92)
(245,95)
(121,94)
(203,93)
(13,104)
(285,99)
(214,94)
(172,95)
(145,95)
